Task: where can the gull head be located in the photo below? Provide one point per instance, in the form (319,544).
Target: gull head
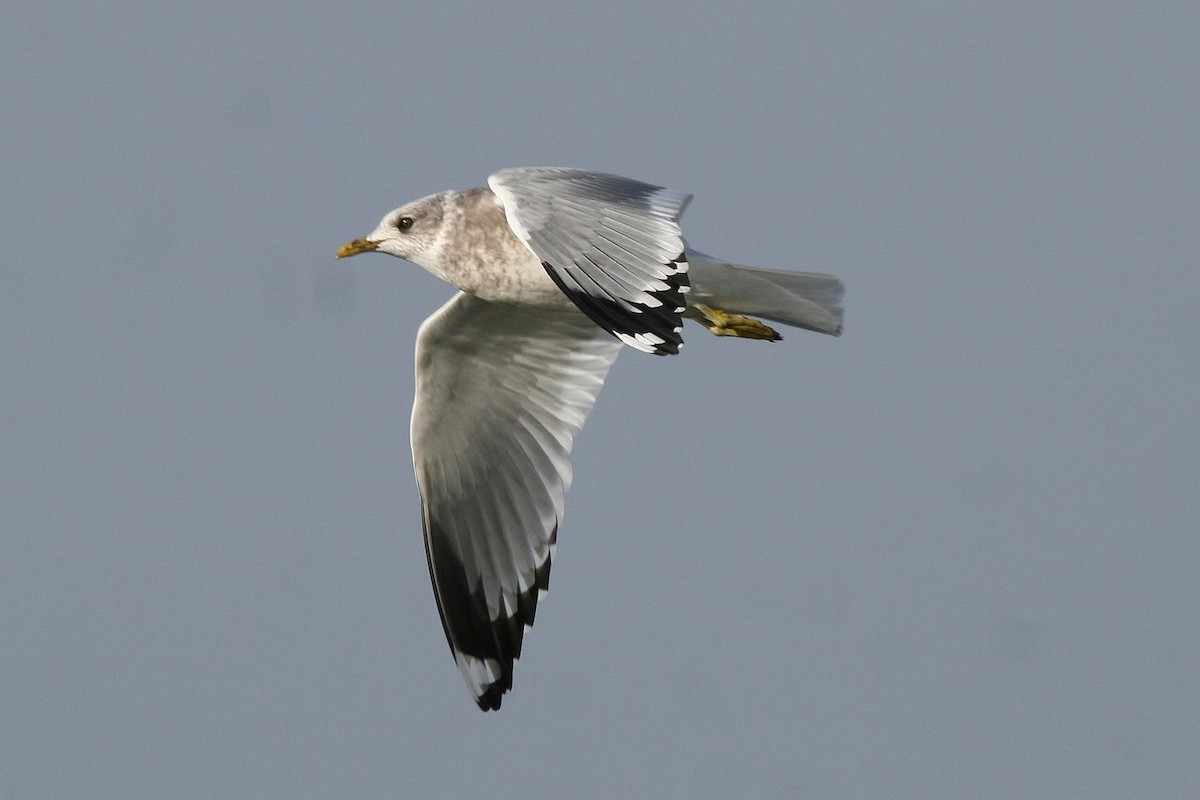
(412,232)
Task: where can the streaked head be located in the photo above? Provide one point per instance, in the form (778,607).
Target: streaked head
(411,232)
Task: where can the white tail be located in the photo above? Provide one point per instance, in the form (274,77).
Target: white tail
(803,299)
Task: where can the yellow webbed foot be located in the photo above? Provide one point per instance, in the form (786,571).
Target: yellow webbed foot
(720,323)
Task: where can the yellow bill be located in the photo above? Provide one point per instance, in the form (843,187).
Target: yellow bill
(356,247)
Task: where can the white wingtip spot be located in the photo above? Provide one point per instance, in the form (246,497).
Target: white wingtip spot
(479,673)
(646,342)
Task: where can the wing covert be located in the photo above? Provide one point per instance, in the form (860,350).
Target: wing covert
(611,244)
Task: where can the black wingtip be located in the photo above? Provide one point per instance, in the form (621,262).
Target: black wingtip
(470,630)
(638,329)
(491,699)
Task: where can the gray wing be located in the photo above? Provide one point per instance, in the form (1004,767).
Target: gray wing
(612,244)
(501,392)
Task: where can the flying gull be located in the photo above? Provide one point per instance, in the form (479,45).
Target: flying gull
(557,268)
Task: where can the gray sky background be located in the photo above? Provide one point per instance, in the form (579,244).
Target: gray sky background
(952,554)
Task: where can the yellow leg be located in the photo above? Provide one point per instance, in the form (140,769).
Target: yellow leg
(720,323)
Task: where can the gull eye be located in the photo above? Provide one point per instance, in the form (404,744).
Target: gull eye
(404,223)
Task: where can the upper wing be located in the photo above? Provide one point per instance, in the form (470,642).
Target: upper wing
(613,245)
(501,392)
